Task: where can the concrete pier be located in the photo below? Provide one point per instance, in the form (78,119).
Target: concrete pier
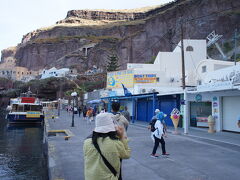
(197,156)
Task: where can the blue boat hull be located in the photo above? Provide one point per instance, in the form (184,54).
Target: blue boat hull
(12,118)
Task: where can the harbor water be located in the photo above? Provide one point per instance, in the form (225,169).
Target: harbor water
(21,152)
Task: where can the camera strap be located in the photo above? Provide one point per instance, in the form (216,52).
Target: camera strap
(110,167)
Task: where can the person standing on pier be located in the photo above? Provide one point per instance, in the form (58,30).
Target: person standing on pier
(84,112)
(118,118)
(79,111)
(90,115)
(126,114)
(104,151)
(158,137)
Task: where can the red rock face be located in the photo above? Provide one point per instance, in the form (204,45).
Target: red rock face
(137,40)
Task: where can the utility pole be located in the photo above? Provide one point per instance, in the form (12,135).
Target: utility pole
(185,105)
(235,47)
(59,99)
(183,61)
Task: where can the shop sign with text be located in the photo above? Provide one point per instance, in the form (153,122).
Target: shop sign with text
(145,78)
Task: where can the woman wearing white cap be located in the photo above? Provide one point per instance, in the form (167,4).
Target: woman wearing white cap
(104,151)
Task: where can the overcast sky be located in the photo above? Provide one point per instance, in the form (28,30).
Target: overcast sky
(18,17)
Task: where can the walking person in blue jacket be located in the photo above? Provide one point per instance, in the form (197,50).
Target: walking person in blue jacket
(158,138)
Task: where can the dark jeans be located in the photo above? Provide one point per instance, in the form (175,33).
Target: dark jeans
(156,144)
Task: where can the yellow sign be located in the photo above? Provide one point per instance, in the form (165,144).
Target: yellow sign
(145,78)
(117,78)
(33,114)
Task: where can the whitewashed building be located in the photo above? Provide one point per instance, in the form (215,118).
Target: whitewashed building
(206,66)
(219,96)
(53,72)
(165,78)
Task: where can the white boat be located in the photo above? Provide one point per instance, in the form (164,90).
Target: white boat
(26,109)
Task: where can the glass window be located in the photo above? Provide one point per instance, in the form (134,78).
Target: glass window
(199,111)
(204,69)
(14,107)
(189,48)
(36,108)
(27,108)
(20,108)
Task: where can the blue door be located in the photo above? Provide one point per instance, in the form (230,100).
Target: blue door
(142,110)
(150,110)
(166,106)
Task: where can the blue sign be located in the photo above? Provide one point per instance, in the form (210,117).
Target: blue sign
(198,97)
(111,81)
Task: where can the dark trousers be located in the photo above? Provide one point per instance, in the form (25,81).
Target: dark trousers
(156,144)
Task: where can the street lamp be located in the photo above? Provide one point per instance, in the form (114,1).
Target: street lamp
(73,94)
(59,100)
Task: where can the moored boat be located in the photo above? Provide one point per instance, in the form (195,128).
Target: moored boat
(27,109)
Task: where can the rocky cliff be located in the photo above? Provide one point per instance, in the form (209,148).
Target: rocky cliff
(85,37)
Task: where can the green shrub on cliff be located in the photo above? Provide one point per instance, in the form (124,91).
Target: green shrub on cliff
(112,63)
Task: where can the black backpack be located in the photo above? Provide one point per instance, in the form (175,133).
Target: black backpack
(152,123)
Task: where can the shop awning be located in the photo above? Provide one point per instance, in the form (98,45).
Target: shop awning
(95,101)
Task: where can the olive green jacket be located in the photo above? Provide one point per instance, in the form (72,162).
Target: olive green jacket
(113,150)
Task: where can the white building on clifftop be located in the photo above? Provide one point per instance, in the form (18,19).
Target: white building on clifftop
(53,72)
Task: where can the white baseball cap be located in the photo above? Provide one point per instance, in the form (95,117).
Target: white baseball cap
(104,123)
(157,110)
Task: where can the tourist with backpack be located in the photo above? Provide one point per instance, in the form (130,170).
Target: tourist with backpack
(90,115)
(157,133)
(152,123)
(118,118)
(105,149)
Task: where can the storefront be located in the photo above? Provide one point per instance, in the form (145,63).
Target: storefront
(223,105)
(200,107)
(199,112)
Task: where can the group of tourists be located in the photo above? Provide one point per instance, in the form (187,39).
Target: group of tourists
(105,148)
